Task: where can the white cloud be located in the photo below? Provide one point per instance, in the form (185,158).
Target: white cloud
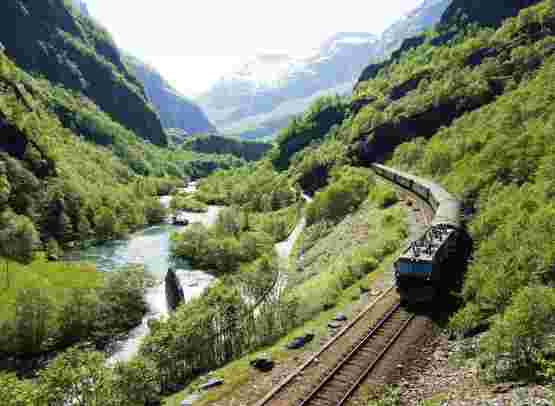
(194,42)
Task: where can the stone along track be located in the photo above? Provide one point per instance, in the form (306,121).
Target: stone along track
(299,385)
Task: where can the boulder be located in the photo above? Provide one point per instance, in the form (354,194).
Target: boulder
(262,363)
(300,342)
(180,219)
(212,383)
(340,317)
(174,290)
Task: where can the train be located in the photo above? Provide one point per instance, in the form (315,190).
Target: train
(434,263)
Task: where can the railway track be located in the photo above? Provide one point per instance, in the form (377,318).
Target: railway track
(342,380)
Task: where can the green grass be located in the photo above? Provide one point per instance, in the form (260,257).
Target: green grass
(52,277)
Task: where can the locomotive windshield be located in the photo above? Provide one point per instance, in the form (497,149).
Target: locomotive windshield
(414,268)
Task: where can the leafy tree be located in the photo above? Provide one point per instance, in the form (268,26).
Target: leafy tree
(18,239)
(78,376)
(17,392)
(33,315)
(155,213)
(137,383)
(522,335)
(107,226)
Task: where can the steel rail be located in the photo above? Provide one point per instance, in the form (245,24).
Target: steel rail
(349,357)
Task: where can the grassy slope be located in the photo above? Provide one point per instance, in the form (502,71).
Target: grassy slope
(51,278)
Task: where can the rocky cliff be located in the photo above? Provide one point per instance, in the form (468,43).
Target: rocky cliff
(175,110)
(53,39)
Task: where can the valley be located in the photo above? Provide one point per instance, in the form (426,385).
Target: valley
(259,213)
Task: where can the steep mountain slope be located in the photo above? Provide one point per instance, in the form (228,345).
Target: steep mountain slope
(491,14)
(259,98)
(175,110)
(417,21)
(51,38)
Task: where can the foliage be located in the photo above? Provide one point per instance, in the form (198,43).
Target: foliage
(225,246)
(391,397)
(334,257)
(73,190)
(187,202)
(256,187)
(214,144)
(348,189)
(67,48)
(314,125)
(499,159)
(17,392)
(520,338)
(214,329)
(383,196)
(53,305)
(76,374)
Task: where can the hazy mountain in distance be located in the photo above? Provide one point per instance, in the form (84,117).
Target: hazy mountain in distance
(259,98)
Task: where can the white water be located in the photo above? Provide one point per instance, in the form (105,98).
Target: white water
(151,248)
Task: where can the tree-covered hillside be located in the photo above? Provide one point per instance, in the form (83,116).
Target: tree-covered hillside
(215,144)
(52,39)
(475,112)
(54,173)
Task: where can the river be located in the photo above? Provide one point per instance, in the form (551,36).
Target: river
(149,247)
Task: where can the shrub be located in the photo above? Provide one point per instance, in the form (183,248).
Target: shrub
(522,336)
(347,191)
(188,203)
(16,392)
(383,196)
(391,396)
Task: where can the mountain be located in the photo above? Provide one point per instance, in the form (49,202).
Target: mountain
(55,40)
(260,97)
(273,87)
(175,110)
(415,22)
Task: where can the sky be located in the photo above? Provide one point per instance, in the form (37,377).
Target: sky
(194,42)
